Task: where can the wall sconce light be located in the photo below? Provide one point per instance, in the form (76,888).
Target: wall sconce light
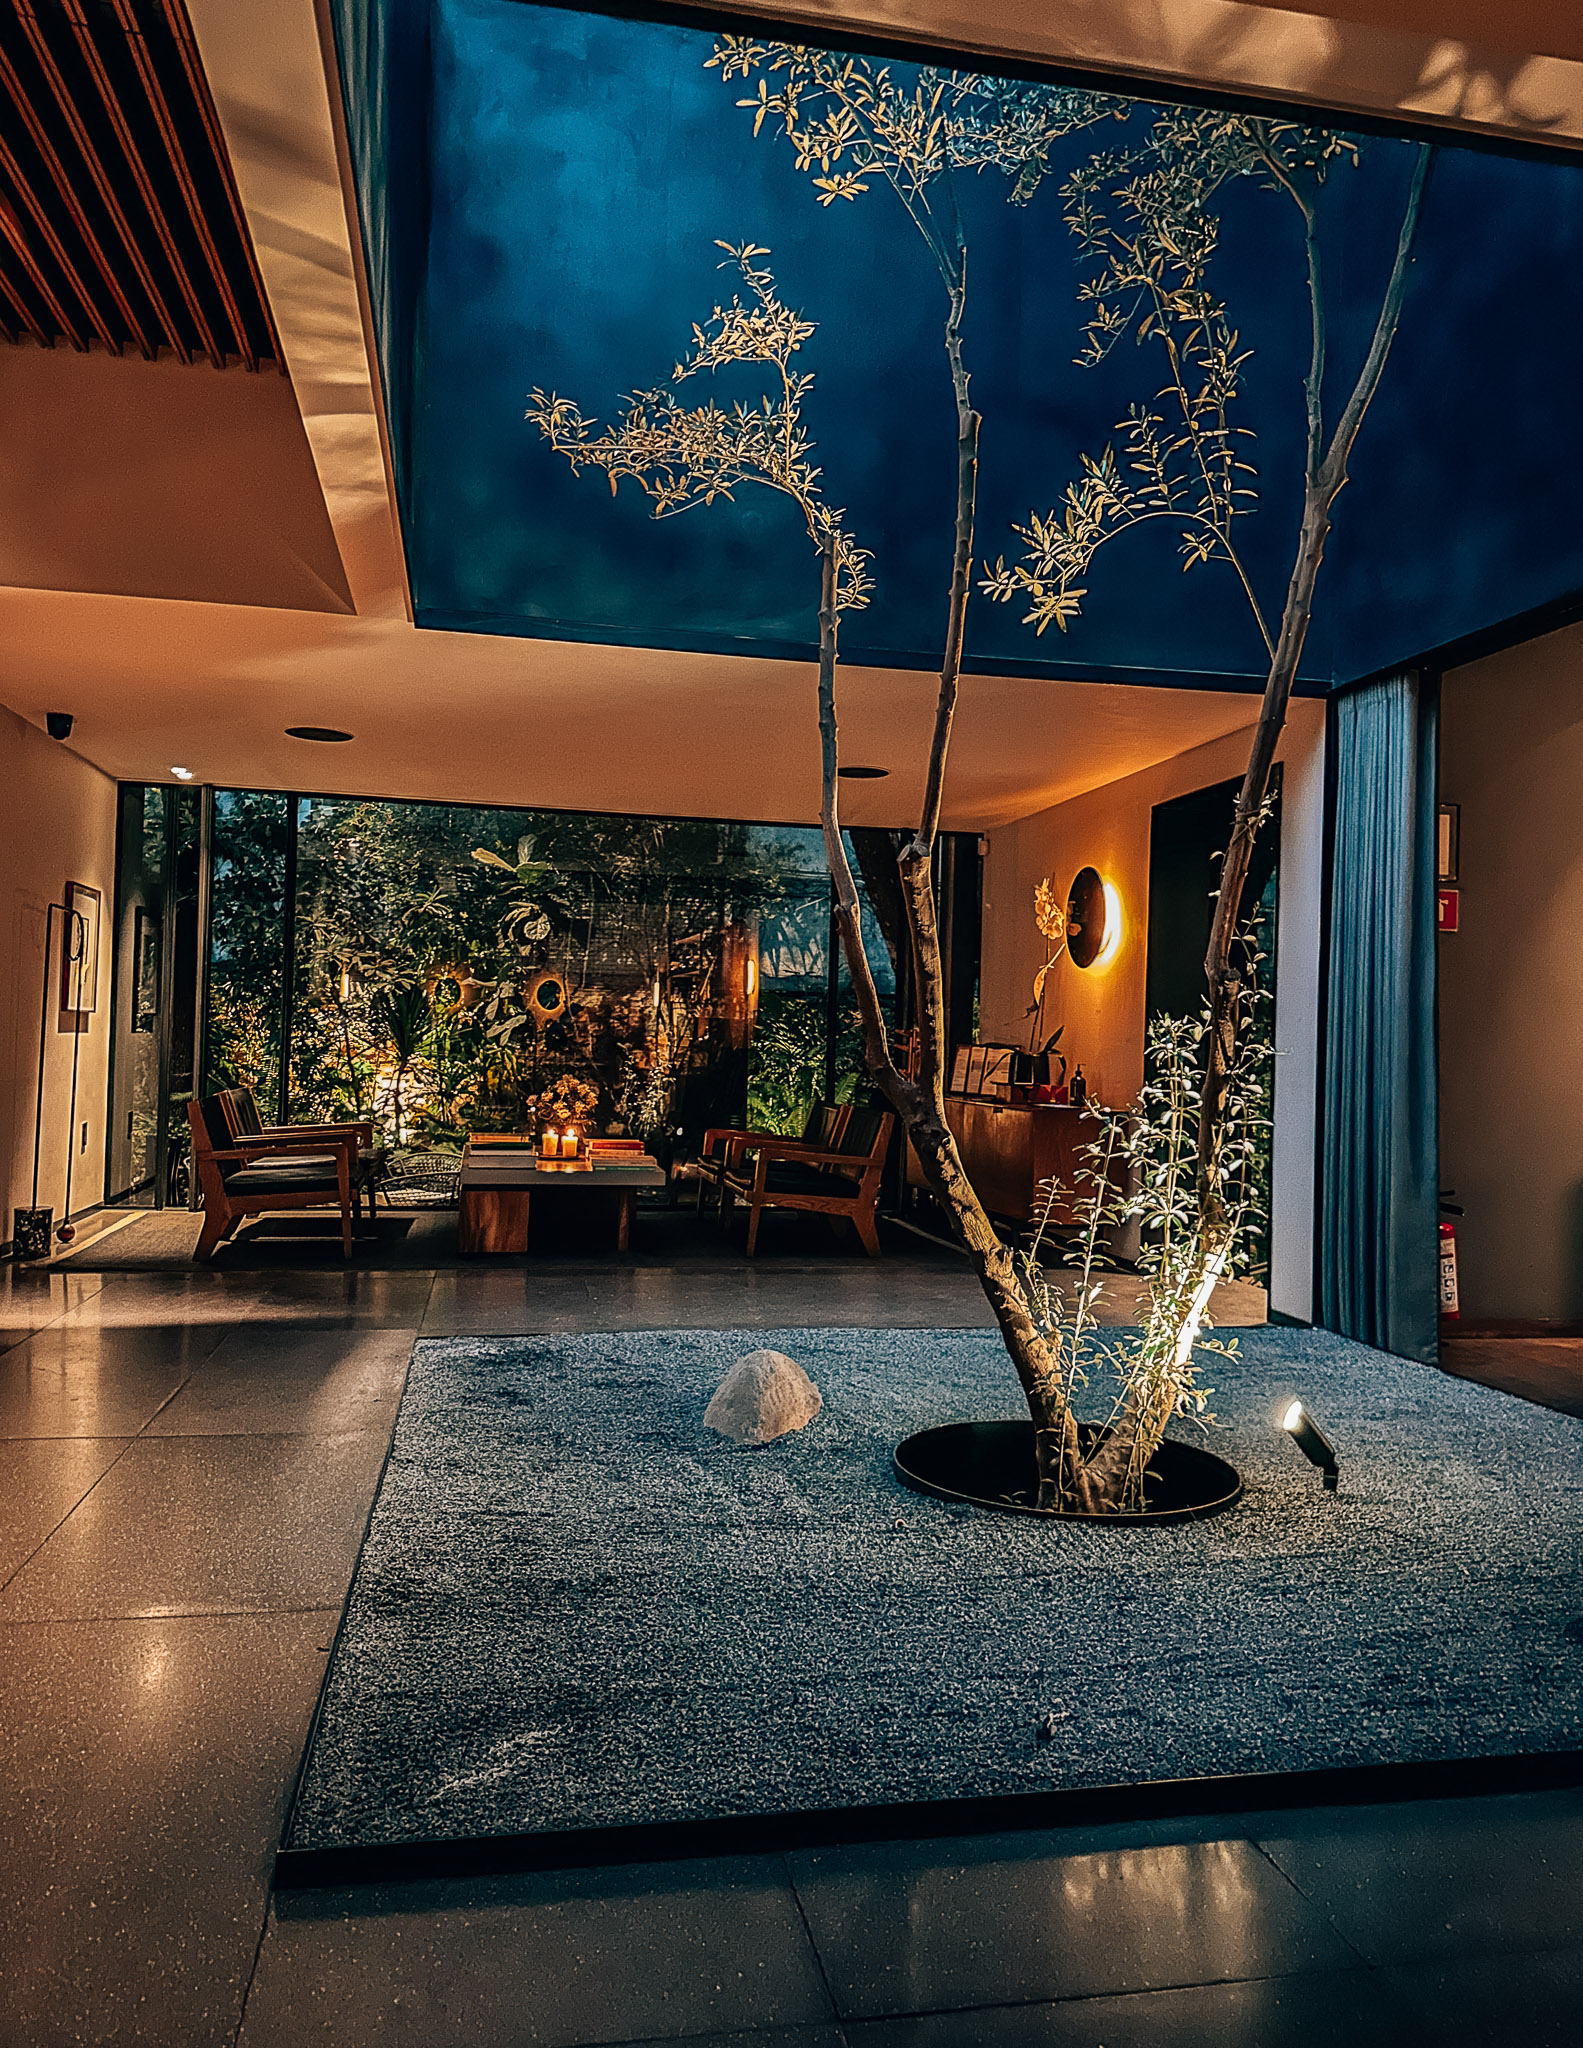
(1311,1440)
(1093,920)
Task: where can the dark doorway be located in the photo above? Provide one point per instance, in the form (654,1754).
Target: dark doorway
(1186,839)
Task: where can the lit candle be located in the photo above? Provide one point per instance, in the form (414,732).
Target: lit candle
(569,1144)
(550,1144)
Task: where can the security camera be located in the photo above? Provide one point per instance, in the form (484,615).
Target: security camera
(58,724)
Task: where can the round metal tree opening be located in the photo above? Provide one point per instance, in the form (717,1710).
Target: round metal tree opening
(991,1465)
(1085,917)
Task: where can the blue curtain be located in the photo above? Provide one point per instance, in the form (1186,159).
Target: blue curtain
(1380,1149)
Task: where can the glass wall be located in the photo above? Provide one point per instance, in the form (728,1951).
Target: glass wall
(157,992)
(440,968)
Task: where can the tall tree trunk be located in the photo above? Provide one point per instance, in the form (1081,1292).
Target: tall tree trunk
(920,1102)
(920,1105)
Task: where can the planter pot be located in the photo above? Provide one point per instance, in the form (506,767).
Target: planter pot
(991,1465)
(32,1233)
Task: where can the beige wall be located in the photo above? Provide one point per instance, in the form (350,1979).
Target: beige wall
(1511,980)
(1103,1008)
(162,479)
(57,824)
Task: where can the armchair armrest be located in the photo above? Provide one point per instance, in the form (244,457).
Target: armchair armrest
(795,1148)
(363,1132)
(248,1149)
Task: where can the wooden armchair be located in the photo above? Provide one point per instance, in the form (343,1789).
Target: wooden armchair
(243,1177)
(723,1147)
(842,1180)
(240,1110)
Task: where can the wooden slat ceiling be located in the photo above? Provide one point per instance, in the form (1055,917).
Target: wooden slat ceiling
(120,224)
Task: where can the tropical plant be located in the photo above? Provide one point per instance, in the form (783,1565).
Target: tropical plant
(402,1017)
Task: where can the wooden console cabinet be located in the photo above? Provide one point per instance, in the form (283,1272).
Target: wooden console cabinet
(1008,1150)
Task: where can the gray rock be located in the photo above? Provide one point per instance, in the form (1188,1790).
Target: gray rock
(764,1395)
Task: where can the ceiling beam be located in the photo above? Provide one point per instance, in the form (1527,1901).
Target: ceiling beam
(270,78)
(1495,72)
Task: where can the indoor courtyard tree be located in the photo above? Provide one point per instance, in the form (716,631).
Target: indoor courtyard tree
(852,123)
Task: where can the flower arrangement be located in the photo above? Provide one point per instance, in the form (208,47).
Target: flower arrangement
(567,1104)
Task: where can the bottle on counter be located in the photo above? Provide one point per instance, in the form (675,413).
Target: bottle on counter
(1079,1090)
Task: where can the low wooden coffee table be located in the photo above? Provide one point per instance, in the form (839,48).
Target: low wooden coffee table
(500,1181)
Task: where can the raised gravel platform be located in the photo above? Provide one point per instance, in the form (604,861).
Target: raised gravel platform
(578,1609)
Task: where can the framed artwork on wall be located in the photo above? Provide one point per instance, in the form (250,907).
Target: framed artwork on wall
(145,970)
(79,957)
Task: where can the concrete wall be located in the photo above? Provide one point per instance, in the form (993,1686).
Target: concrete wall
(160,479)
(57,824)
(1102,1008)
(1511,980)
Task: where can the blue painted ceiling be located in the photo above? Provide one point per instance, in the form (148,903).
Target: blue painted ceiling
(543,195)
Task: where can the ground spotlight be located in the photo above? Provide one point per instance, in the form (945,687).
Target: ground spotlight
(1311,1440)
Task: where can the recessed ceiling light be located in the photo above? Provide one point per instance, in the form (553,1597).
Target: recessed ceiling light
(326,733)
(182,774)
(863,774)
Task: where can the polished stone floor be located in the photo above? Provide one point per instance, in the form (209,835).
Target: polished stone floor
(186,1466)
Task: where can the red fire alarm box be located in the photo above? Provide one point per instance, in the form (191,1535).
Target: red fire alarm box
(1448,904)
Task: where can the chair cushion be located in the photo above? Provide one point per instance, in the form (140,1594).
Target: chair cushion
(785,1177)
(284,1176)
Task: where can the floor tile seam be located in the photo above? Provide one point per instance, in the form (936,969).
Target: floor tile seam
(1309,1900)
(126,1445)
(265,1917)
(813,1948)
(1362,1970)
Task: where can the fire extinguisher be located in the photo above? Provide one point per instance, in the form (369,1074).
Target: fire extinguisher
(1450,1307)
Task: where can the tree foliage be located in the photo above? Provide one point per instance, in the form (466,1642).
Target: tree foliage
(683,456)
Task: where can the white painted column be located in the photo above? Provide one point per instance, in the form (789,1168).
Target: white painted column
(1297,1020)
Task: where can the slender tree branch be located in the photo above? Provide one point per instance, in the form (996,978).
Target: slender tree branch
(849,916)
(961,569)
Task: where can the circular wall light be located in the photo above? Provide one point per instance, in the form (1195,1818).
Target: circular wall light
(326,733)
(547,999)
(1112,938)
(1085,917)
(863,774)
